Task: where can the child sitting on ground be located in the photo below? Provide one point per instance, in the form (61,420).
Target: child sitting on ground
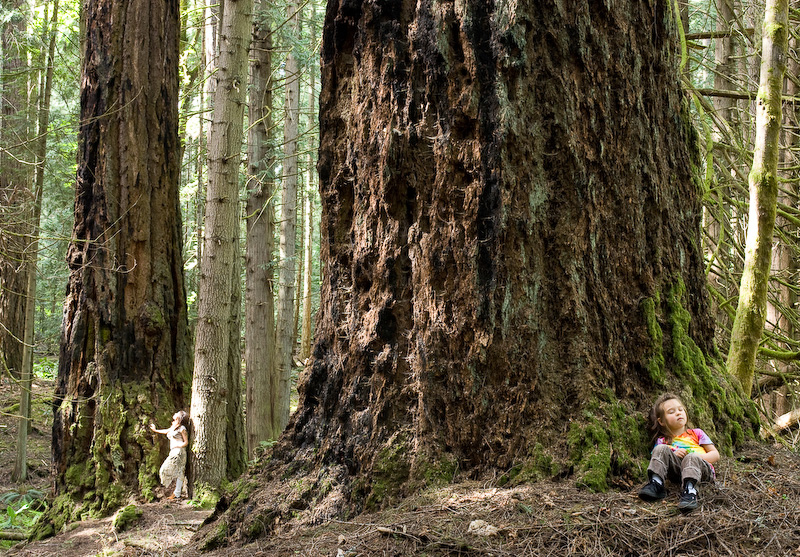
(680,454)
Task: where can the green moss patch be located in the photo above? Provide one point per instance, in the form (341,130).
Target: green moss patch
(391,469)
(126,517)
(609,441)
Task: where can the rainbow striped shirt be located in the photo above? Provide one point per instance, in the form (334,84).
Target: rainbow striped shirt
(691,440)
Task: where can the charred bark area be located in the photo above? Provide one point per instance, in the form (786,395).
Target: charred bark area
(124,358)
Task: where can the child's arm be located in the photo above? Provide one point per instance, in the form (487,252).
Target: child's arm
(711,455)
(153,428)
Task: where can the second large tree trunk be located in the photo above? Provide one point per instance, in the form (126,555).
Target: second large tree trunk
(124,358)
(511,238)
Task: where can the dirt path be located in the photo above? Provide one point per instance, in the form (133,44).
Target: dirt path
(164,529)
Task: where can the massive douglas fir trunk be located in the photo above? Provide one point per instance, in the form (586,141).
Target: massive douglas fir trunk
(511,240)
(512,250)
(124,358)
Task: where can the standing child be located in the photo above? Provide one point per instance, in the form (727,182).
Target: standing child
(175,464)
(680,454)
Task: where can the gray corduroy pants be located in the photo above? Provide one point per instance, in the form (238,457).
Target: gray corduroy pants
(691,467)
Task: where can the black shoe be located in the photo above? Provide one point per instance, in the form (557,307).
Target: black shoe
(687,502)
(653,491)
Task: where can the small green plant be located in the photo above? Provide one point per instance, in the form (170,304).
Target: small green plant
(26,498)
(22,509)
(46,368)
(262,450)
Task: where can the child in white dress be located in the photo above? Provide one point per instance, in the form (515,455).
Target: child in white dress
(175,464)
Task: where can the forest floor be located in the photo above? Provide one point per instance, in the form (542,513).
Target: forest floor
(752,509)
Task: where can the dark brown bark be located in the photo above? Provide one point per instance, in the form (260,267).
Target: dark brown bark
(15,192)
(510,226)
(125,356)
(501,197)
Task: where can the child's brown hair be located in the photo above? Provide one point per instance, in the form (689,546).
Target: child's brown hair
(656,413)
(184,418)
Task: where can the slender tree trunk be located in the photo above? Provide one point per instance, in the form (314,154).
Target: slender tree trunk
(284,343)
(751,311)
(21,463)
(211,388)
(308,228)
(259,304)
(235,441)
(125,352)
(300,259)
(308,231)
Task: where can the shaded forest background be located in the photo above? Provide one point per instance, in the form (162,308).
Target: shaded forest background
(720,61)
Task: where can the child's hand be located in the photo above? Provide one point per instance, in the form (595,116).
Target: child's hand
(153,427)
(680,453)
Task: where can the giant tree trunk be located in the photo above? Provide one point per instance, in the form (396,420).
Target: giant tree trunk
(124,358)
(211,387)
(513,269)
(259,305)
(512,257)
(751,311)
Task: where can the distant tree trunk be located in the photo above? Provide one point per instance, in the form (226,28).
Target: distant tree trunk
(300,260)
(718,226)
(751,311)
(308,230)
(235,441)
(259,297)
(125,352)
(211,387)
(15,193)
(308,250)
(20,472)
(285,333)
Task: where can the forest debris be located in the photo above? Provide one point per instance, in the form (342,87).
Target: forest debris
(787,420)
(397,532)
(482,528)
(13,536)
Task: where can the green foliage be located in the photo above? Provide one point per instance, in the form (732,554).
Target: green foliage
(45,368)
(22,510)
